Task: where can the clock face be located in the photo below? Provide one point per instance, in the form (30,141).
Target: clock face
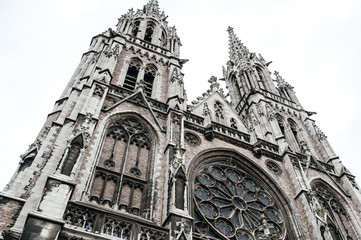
(232,204)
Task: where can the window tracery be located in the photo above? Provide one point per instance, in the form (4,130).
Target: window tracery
(337,220)
(121,177)
(218,110)
(232,204)
(132,74)
(149,76)
(233,123)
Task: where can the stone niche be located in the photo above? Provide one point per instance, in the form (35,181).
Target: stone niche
(55,198)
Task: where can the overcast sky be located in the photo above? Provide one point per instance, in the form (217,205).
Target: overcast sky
(314,44)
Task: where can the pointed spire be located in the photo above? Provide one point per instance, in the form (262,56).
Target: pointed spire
(238,53)
(152,9)
(236,48)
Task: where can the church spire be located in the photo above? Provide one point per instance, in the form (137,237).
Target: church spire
(238,53)
(152,9)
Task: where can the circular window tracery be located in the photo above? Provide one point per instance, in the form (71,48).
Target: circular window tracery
(232,204)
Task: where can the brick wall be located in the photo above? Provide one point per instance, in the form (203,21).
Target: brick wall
(9,211)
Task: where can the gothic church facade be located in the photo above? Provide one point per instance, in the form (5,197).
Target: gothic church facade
(124,155)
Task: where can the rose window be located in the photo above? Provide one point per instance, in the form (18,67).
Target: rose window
(232,204)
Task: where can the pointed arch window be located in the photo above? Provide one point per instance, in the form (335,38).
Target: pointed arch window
(149,32)
(280,124)
(135,29)
(71,155)
(149,76)
(238,89)
(294,131)
(123,170)
(27,160)
(180,184)
(261,78)
(132,74)
(163,40)
(337,222)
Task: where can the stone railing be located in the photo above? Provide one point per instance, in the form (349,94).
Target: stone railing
(231,132)
(147,45)
(85,219)
(194,118)
(278,98)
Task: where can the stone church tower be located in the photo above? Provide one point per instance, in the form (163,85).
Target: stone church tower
(123,155)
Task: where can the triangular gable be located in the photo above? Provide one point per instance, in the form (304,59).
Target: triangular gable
(220,111)
(137,98)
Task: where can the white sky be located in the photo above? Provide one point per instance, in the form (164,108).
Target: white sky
(315,45)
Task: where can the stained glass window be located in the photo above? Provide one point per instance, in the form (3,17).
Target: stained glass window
(231,203)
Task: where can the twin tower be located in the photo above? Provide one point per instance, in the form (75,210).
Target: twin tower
(124,155)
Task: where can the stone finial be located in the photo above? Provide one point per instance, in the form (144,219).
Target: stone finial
(320,135)
(281,83)
(214,84)
(140,86)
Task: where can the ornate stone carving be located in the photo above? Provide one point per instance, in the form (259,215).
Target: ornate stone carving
(108,52)
(192,138)
(319,211)
(320,135)
(82,126)
(247,123)
(98,91)
(176,118)
(353,182)
(218,110)
(270,112)
(259,108)
(274,167)
(281,83)
(45,131)
(253,118)
(238,54)
(214,84)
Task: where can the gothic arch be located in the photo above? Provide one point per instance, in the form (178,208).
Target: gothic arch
(227,161)
(149,31)
(150,73)
(125,165)
(296,132)
(261,79)
(132,73)
(339,213)
(71,155)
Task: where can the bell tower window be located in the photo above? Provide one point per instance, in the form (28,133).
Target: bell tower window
(132,74)
(135,29)
(149,76)
(163,40)
(261,78)
(149,32)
